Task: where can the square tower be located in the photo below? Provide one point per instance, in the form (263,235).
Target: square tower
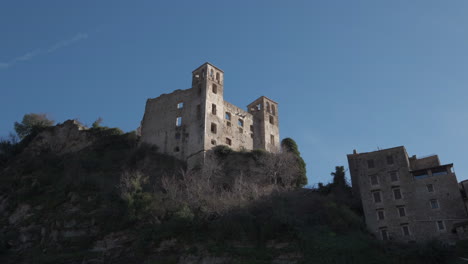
(266,124)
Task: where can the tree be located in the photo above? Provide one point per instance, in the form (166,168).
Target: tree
(339,177)
(289,145)
(32,123)
(97,123)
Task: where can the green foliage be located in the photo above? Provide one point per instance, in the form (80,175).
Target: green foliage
(32,122)
(97,123)
(289,145)
(222,151)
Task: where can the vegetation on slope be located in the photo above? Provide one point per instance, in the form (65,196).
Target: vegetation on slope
(115,201)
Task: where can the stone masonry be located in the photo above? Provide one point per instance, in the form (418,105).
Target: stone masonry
(188,123)
(407,199)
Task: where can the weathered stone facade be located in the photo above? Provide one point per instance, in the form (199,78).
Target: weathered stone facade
(187,123)
(405,198)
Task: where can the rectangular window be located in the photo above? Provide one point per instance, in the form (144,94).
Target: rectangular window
(439,171)
(228,141)
(241,130)
(393,176)
(405,230)
(377,198)
(370,164)
(179,121)
(384,234)
(227,116)
(215,89)
(420,174)
(272,120)
(213,109)
(380,214)
(434,204)
(177,136)
(251,128)
(440,225)
(430,187)
(272,140)
(389,159)
(198,112)
(401,211)
(214,128)
(180,105)
(240,122)
(228,123)
(397,194)
(374,180)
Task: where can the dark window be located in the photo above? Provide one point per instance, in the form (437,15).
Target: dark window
(273,110)
(370,164)
(401,211)
(176,149)
(430,187)
(405,229)
(272,139)
(420,174)
(380,214)
(240,122)
(199,89)
(217,77)
(384,234)
(177,136)
(272,120)
(228,116)
(397,193)
(251,128)
(198,112)
(393,176)
(389,160)
(228,141)
(439,171)
(374,180)
(251,135)
(215,89)
(434,204)
(213,142)
(377,198)
(440,225)
(228,123)
(213,109)
(213,128)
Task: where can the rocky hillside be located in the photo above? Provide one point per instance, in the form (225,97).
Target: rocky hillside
(74,195)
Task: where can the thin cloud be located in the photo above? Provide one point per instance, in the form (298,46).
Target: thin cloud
(67,42)
(30,55)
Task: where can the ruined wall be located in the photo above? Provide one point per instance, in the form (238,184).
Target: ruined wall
(387,172)
(160,127)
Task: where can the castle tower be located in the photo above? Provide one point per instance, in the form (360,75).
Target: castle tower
(208,84)
(265,125)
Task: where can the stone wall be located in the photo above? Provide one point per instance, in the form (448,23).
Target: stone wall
(374,172)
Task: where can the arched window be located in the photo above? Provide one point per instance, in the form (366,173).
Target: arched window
(273,110)
(218,77)
(268,107)
(211,73)
(215,89)
(203,74)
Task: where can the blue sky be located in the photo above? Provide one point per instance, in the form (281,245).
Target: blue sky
(347,74)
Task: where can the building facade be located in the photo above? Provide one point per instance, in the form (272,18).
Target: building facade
(407,199)
(187,123)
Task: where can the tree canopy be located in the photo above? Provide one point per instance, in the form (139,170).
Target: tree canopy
(32,122)
(289,145)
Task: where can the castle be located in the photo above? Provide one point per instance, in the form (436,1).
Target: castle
(188,123)
(409,199)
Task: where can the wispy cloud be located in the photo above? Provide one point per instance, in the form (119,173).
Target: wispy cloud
(30,55)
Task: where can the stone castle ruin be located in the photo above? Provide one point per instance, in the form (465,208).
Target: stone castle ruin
(188,123)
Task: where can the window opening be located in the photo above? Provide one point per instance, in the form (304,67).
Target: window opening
(389,159)
(215,89)
(213,142)
(401,211)
(380,214)
(240,122)
(405,229)
(273,110)
(393,176)
(213,128)
(179,121)
(377,198)
(397,193)
(440,225)
(272,120)
(213,109)
(176,149)
(434,204)
(370,164)
(228,141)
(228,116)
(384,234)
(180,105)
(430,187)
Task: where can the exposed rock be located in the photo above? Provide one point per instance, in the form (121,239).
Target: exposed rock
(20,214)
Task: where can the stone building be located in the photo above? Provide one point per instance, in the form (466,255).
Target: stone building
(406,198)
(187,123)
